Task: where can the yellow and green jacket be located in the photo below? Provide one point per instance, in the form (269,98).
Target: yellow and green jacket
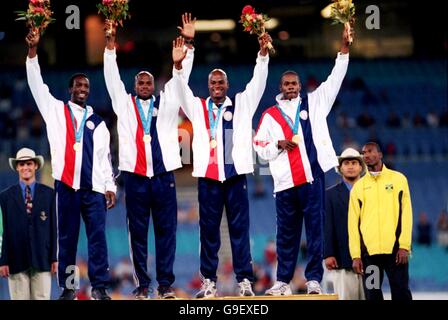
(380,214)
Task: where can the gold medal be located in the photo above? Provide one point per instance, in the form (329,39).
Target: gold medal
(296,139)
(213,143)
(77,146)
(147,138)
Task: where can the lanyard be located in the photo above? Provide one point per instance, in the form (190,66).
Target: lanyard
(79,132)
(213,121)
(146,121)
(294,127)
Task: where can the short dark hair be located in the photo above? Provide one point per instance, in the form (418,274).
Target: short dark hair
(287,72)
(373,143)
(73,77)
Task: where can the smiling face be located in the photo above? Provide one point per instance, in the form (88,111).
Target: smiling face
(79,91)
(144,85)
(290,86)
(27,170)
(218,86)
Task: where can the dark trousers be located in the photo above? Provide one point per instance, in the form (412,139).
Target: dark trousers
(91,206)
(398,276)
(156,197)
(213,197)
(304,202)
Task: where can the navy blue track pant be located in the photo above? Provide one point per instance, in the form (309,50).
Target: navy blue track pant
(91,206)
(398,277)
(213,197)
(304,202)
(156,197)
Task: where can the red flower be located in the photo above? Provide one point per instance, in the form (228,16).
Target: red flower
(248,10)
(38,10)
(36,3)
(107,2)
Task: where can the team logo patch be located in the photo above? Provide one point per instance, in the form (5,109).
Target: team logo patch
(303,114)
(389,187)
(43,216)
(90,125)
(155,112)
(228,116)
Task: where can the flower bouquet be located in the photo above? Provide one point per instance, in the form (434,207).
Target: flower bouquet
(38,15)
(343,11)
(254,23)
(115,11)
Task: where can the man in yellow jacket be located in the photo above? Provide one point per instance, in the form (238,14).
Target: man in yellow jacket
(380,227)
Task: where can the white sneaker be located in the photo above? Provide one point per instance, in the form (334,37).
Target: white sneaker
(208,289)
(279,289)
(246,288)
(313,287)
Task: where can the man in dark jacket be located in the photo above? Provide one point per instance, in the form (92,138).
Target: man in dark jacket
(347,284)
(28,251)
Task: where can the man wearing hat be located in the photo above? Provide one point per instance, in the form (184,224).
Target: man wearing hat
(28,251)
(347,284)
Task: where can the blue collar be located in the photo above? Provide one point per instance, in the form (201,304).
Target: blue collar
(23,185)
(348,185)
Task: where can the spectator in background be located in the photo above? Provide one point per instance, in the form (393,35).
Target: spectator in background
(419,121)
(444,119)
(393,121)
(311,84)
(424,230)
(28,252)
(345,121)
(406,120)
(365,120)
(442,229)
(347,284)
(432,119)
(349,142)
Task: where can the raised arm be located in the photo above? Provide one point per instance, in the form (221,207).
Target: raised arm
(186,96)
(188,32)
(251,96)
(39,89)
(114,85)
(184,54)
(326,93)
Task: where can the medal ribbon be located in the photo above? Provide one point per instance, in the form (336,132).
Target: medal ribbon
(294,127)
(80,131)
(146,121)
(213,121)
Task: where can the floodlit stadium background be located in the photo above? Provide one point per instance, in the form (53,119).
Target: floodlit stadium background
(395,92)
